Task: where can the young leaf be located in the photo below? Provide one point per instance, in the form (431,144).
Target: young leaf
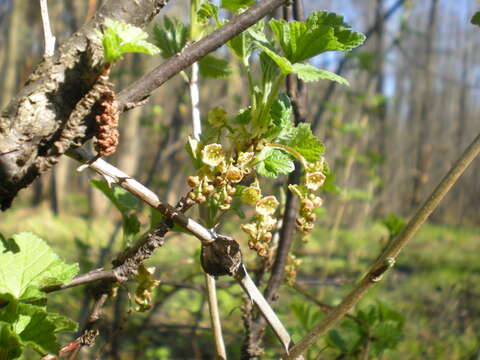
(208,11)
(119,38)
(322,31)
(306,143)
(281,113)
(31,267)
(274,162)
(171,38)
(213,67)
(310,73)
(282,62)
(235,5)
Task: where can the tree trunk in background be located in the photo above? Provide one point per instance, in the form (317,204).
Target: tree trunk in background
(424,146)
(381,107)
(10,82)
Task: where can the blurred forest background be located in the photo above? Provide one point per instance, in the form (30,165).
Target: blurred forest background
(412,108)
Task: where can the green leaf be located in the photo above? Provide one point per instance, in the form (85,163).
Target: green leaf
(243,117)
(282,62)
(476,19)
(33,325)
(281,113)
(308,73)
(171,38)
(32,266)
(61,322)
(39,332)
(214,67)
(121,198)
(10,347)
(321,32)
(155,218)
(208,11)
(119,38)
(274,162)
(235,5)
(394,224)
(307,144)
(131,227)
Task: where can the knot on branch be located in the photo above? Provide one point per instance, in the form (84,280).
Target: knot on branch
(221,257)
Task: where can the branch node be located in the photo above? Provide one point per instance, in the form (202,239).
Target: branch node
(377,274)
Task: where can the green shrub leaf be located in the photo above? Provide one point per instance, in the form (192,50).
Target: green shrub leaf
(322,31)
(171,38)
(29,264)
(310,73)
(274,162)
(214,67)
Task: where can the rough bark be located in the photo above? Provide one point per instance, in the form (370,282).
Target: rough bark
(34,122)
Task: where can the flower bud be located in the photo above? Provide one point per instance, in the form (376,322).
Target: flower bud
(193,181)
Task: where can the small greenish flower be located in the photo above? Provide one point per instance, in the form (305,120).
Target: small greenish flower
(267,223)
(267,206)
(213,155)
(244,158)
(251,195)
(234,174)
(313,181)
(250,229)
(217,117)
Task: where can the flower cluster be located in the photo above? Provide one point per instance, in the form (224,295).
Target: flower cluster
(218,175)
(260,231)
(291,269)
(312,181)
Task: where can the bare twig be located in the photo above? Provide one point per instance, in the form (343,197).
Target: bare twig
(215,317)
(49,39)
(387,259)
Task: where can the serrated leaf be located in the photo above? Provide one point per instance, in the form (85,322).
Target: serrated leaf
(171,38)
(274,162)
(476,19)
(121,198)
(308,73)
(32,267)
(119,38)
(235,5)
(322,31)
(306,143)
(281,113)
(10,347)
(214,67)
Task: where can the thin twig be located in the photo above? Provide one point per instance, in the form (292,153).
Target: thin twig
(387,259)
(142,88)
(49,39)
(215,317)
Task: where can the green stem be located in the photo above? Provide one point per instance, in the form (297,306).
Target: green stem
(251,84)
(267,103)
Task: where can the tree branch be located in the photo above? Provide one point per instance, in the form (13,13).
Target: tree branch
(143,87)
(387,259)
(36,118)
